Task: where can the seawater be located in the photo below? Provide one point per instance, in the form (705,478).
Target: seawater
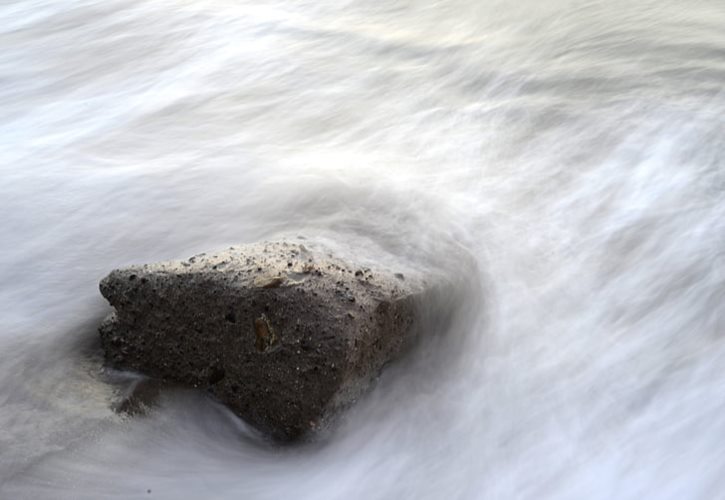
(574,150)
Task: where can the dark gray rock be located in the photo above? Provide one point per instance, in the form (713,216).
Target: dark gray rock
(285,334)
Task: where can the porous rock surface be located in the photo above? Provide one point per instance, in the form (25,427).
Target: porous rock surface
(284,333)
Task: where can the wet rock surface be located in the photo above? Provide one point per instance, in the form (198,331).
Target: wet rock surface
(284,333)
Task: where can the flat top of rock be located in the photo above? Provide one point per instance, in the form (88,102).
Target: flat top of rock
(276,264)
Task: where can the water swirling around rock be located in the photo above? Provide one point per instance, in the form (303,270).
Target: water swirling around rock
(571,150)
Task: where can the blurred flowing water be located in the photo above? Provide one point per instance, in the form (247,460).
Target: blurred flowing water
(576,150)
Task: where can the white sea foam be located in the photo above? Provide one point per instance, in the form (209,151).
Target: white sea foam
(573,149)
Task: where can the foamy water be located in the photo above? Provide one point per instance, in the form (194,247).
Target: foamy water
(576,150)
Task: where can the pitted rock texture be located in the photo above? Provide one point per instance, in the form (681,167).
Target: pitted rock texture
(283,333)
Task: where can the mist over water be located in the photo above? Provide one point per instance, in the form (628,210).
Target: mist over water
(572,152)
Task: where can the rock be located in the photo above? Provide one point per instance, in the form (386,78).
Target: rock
(285,335)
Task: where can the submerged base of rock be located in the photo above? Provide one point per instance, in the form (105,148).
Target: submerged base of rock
(285,334)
